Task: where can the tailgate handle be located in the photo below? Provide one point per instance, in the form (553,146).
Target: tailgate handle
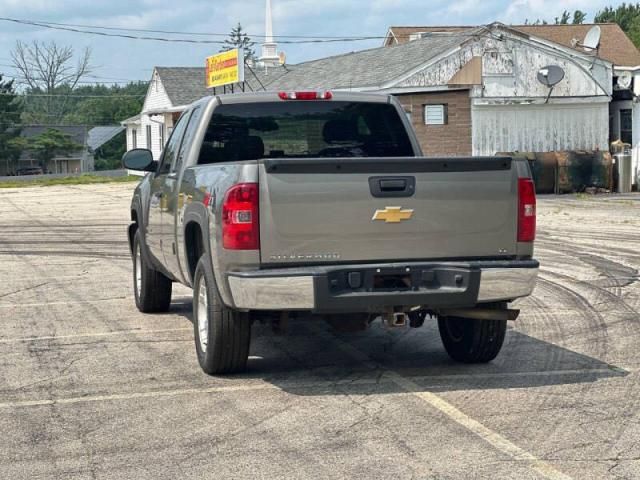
(392,186)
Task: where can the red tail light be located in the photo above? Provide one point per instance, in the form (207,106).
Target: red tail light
(526,210)
(241,218)
(305,95)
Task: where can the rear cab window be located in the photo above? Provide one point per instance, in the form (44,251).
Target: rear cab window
(304,129)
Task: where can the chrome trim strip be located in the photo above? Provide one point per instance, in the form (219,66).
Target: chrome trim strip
(297,293)
(506,283)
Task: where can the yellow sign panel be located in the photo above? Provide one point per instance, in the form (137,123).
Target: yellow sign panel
(393,215)
(225,68)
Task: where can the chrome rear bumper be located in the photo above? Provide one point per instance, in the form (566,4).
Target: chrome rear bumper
(298,288)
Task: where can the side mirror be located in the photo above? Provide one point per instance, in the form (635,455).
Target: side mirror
(139,159)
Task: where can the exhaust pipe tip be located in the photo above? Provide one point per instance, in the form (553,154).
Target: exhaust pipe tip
(395,320)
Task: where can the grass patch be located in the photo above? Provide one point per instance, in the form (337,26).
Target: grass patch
(77,180)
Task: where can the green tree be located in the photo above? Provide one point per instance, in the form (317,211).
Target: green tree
(87,105)
(239,39)
(564,18)
(625,15)
(50,144)
(579,17)
(109,155)
(575,18)
(10,111)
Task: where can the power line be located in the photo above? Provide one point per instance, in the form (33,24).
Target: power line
(97,77)
(306,38)
(201,34)
(53,26)
(71,95)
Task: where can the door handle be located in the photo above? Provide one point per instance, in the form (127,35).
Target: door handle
(392,187)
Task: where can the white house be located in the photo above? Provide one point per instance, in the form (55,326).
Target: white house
(171,90)
(623,85)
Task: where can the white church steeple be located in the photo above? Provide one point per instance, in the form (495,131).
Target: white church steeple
(269,48)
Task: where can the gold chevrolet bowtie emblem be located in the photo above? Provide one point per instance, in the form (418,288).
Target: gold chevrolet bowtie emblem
(393,215)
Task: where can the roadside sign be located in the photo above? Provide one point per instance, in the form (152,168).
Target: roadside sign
(225,68)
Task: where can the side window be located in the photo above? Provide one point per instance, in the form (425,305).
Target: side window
(190,133)
(171,149)
(435,114)
(161,135)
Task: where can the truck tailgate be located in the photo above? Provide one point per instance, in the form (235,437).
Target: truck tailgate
(355,209)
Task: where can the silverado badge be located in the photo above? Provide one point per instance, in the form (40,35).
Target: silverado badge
(393,215)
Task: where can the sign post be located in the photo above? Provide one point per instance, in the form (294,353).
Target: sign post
(226,68)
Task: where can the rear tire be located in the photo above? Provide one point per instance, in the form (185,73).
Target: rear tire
(151,288)
(472,341)
(222,334)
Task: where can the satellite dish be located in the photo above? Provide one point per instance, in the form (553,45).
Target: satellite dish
(592,39)
(550,75)
(624,80)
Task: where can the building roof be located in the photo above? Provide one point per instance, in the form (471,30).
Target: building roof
(371,68)
(135,120)
(78,133)
(98,136)
(615,45)
(185,85)
(403,34)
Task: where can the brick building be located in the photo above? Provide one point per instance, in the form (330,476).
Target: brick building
(451,138)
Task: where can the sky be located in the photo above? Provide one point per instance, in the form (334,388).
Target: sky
(126,59)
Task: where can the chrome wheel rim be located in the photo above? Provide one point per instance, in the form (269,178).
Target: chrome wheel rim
(138,271)
(203,316)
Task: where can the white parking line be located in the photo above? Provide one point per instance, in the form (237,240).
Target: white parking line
(493,438)
(135,395)
(188,391)
(611,369)
(91,335)
(48,304)
(410,385)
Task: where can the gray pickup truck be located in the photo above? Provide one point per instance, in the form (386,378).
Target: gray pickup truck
(320,205)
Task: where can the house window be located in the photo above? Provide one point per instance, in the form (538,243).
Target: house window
(626,126)
(134,138)
(149,137)
(161,135)
(435,114)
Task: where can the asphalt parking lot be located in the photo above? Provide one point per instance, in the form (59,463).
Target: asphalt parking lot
(90,388)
